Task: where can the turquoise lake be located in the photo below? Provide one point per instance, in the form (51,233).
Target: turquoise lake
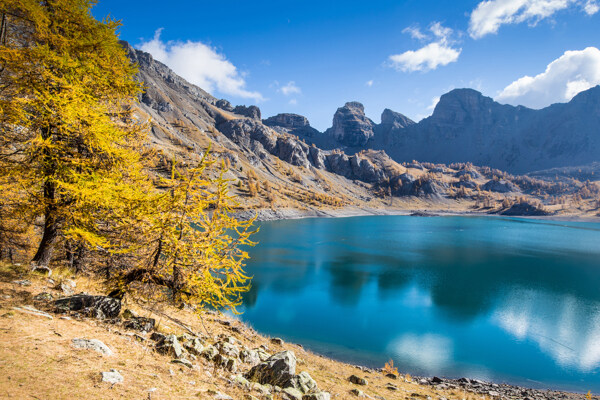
(506,300)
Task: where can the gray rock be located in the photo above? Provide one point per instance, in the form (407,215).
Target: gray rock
(277,370)
(194,346)
(183,361)
(113,377)
(250,357)
(358,393)
(170,345)
(317,396)
(209,352)
(291,394)
(277,341)
(142,324)
(23,282)
(303,382)
(357,380)
(92,344)
(93,305)
(228,349)
(66,286)
(240,381)
(43,297)
(262,354)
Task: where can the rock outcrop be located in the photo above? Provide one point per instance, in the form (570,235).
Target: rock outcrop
(469,127)
(250,112)
(351,127)
(98,306)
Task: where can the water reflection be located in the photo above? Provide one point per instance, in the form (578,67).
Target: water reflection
(490,298)
(566,328)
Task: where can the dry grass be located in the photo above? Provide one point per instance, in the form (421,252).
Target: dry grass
(37,360)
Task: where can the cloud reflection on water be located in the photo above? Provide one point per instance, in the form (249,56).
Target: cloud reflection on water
(563,327)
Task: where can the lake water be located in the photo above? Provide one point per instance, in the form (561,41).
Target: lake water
(507,300)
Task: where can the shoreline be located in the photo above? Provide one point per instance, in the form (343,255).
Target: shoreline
(267,214)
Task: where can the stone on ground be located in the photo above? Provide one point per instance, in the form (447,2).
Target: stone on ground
(92,344)
(113,376)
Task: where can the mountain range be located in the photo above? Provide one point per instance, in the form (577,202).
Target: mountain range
(463,150)
(469,127)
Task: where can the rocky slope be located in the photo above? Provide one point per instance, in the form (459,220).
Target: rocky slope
(282,162)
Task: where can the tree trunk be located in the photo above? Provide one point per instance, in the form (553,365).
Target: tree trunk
(44,253)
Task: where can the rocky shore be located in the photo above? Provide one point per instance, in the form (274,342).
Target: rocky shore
(52,340)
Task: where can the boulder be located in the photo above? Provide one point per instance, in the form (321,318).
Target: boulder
(92,344)
(209,352)
(113,376)
(43,297)
(291,394)
(250,357)
(194,346)
(357,380)
(303,382)
(170,345)
(140,324)
(277,370)
(277,341)
(228,349)
(98,306)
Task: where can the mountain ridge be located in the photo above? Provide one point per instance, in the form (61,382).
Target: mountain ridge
(467,126)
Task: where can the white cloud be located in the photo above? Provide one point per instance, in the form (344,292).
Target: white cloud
(591,7)
(293,102)
(434,102)
(415,32)
(290,88)
(369,83)
(440,52)
(563,78)
(201,65)
(489,15)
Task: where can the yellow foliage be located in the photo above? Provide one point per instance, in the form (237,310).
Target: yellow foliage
(193,247)
(389,368)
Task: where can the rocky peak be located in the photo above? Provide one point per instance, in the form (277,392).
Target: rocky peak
(250,111)
(395,119)
(289,121)
(588,97)
(460,105)
(351,126)
(224,105)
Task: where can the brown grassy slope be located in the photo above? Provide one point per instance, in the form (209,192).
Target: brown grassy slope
(37,360)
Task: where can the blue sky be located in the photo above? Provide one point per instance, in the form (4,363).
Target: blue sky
(310,57)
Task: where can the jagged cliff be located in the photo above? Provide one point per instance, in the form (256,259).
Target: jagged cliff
(469,127)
